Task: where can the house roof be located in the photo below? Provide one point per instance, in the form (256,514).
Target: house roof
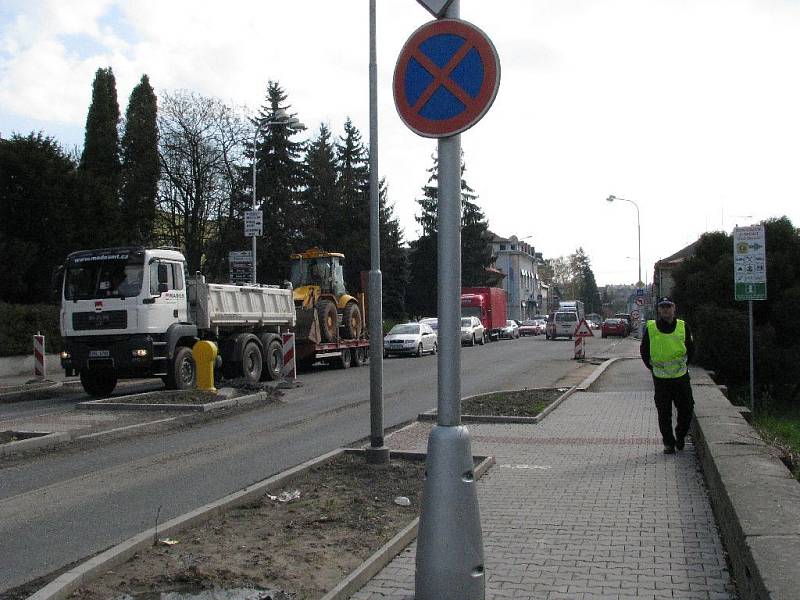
(680,255)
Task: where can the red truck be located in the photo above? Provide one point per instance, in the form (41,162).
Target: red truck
(488,304)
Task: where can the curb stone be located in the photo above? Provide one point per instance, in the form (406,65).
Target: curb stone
(45,440)
(64,585)
(209,406)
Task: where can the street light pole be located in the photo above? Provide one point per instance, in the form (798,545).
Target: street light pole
(279,117)
(638,231)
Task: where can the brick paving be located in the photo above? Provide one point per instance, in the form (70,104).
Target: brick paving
(582,506)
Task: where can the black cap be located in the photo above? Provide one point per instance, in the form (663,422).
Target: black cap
(665,300)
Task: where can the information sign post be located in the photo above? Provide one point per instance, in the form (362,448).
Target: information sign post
(750,279)
(445,80)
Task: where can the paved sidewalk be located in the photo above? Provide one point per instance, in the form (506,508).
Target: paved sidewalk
(584,505)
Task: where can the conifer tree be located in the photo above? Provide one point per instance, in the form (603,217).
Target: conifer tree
(280,178)
(320,194)
(394,259)
(100,164)
(140,164)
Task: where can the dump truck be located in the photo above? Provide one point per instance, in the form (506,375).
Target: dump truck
(329,321)
(132,312)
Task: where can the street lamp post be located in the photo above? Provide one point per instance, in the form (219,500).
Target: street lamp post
(279,117)
(638,231)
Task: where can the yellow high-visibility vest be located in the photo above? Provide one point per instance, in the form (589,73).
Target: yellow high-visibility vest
(668,351)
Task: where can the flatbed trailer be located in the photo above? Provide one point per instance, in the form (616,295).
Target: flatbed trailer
(342,353)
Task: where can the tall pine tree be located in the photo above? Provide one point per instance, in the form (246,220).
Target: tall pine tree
(394,259)
(320,195)
(100,165)
(280,178)
(140,165)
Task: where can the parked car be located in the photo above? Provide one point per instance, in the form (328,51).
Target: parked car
(530,327)
(510,331)
(561,324)
(410,338)
(472,331)
(628,321)
(432,321)
(614,326)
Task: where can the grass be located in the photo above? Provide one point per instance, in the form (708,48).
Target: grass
(779,424)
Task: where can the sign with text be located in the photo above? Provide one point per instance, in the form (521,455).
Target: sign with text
(750,263)
(253,223)
(241,266)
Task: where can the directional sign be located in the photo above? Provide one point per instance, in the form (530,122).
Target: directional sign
(583,329)
(446,78)
(241,266)
(750,263)
(253,223)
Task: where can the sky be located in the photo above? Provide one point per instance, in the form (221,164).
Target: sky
(688,108)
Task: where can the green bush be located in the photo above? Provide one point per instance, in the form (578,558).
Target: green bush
(19,323)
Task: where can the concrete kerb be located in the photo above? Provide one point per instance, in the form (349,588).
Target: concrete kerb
(43,439)
(64,585)
(207,407)
(586,383)
(10,393)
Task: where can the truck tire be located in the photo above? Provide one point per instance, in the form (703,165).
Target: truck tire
(326,311)
(273,361)
(182,374)
(352,324)
(343,362)
(252,362)
(99,383)
(359,357)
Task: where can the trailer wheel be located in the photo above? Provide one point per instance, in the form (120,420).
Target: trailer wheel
(351,322)
(99,383)
(345,359)
(359,356)
(182,374)
(252,362)
(273,361)
(326,311)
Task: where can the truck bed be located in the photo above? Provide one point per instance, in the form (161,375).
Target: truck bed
(222,305)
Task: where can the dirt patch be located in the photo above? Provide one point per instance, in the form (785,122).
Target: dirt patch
(170,397)
(522,403)
(298,549)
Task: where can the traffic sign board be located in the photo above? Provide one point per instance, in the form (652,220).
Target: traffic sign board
(635,315)
(640,301)
(435,7)
(749,263)
(583,329)
(241,266)
(639,292)
(446,78)
(253,223)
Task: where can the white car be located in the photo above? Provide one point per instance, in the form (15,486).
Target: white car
(472,331)
(410,338)
(510,331)
(432,321)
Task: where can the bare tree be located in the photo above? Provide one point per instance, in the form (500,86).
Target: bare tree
(201,147)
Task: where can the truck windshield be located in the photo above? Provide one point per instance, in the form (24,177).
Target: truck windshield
(89,278)
(471,311)
(314,271)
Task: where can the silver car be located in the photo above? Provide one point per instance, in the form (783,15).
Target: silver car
(410,338)
(472,331)
(510,331)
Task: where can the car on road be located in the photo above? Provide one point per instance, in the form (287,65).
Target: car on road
(628,321)
(411,339)
(614,326)
(432,321)
(530,327)
(510,331)
(472,331)
(561,323)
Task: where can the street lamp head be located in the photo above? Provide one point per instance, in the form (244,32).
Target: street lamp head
(611,198)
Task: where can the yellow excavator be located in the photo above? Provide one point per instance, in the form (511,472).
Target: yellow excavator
(325,311)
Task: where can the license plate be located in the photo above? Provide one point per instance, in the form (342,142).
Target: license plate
(99,354)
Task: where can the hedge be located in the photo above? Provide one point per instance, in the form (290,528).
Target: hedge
(18,324)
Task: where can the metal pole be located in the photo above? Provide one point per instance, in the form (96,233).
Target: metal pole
(752,370)
(377,453)
(449,561)
(639,234)
(255,154)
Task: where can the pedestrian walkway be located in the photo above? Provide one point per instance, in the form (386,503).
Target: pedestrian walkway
(585,505)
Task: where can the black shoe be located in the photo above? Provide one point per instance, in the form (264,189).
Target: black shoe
(669,449)
(680,443)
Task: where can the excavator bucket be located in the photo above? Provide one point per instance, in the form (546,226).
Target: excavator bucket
(307,325)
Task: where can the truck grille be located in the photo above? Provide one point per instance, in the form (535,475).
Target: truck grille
(110,319)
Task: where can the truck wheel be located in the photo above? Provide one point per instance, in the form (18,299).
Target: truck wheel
(252,362)
(99,383)
(326,311)
(273,361)
(345,359)
(182,374)
(359,357)
(352,324)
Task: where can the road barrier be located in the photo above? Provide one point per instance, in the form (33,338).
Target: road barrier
(289,365)
(39,361)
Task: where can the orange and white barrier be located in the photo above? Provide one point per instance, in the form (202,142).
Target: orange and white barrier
(39,361)
(289,363)
(580,348)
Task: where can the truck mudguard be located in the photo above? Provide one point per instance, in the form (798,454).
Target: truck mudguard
(176,332)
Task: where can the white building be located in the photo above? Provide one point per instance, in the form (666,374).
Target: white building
(527,295)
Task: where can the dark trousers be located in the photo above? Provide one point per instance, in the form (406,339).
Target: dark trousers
(676,391)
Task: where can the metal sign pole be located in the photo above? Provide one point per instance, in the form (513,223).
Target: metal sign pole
(450,561)
(752,370)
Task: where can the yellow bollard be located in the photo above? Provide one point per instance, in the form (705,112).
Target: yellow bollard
(205,354)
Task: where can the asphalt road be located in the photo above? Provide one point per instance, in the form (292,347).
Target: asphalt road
(59,507)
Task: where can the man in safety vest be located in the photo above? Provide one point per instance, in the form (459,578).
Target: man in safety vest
(666,349)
